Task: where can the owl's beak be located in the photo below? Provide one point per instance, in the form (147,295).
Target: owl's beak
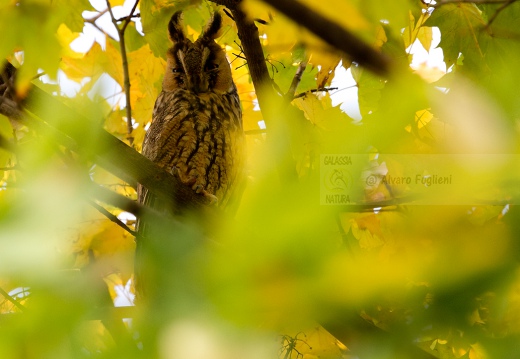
(197,85)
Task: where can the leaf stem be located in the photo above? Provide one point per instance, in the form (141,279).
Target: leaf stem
(499,10)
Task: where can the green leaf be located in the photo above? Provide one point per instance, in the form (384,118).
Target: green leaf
(32,27)
(133,39)
(395,13)
(71,12)
(155,18)
(460,25)
(369,89)
(283,74)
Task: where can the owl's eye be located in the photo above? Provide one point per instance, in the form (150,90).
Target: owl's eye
(176,70)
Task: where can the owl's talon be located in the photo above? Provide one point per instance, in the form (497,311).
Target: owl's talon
(190,181)
(210,197)
(200,190)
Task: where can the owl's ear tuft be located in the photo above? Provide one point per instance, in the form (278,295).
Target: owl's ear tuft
(211,31)
(175,28)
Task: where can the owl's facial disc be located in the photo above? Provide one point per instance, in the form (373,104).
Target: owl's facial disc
(198,67)
(193,61)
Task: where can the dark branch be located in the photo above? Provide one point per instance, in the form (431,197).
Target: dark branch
(296,80)
(128,17)
(333,34)
(114,199)
(111,217)
(250,39)
(498,11)
(106,150)
(323,89)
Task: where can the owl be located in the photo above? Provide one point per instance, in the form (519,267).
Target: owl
(196,131)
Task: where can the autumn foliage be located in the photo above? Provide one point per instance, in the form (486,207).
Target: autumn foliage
(380,215)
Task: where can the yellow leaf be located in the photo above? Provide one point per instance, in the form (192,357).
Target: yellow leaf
(94,63)
(256,9)
(146,72)
(345,13)
(115,124)
(116,246)
(367,231)
(416,31)
(282,35)
(477,352)
(423,117)
(425,36)
(380,37)
(327,63)
(65,37)
(250,116)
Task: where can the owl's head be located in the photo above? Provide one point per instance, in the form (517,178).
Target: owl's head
(199,66)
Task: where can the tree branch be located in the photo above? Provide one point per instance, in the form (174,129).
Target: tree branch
(92,21)
(250,40)
(323,89)
(94,190)
(498,11)
(73,131)
(135,16)
(111,217)
(296,80)
(333,34)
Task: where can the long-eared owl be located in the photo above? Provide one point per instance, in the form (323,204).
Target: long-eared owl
(196,131)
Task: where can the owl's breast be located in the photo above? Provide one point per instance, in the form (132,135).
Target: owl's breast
(200,135)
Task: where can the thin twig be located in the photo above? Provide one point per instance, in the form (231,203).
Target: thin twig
(97,16)
(126,73)
(129,17)
(124,18)
(111,217)
(498,11)
(296,80)
(12,300)
(93,23)
(323,89)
